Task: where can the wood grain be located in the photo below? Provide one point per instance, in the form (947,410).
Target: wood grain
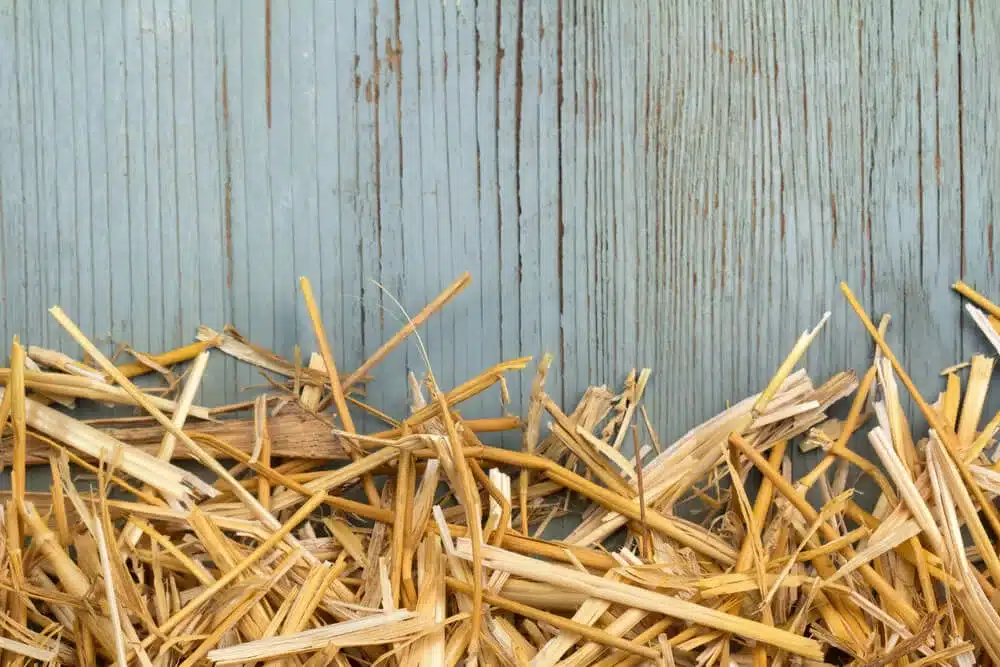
(294,434)
(678,185)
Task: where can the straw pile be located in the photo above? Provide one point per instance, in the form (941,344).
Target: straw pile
(440,559)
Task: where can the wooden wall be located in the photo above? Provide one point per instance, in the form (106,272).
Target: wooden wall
(672,184)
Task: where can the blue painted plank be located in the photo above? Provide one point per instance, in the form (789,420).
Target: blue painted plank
(588,215)
(75,193)
(486,288)
(13,253)
(510,108)
(166,26)
(465,313)
(575,353)
(413,226)
(279,138)
(549,179)
(301,102)
(603,223)
(939,168)
(333,84)
(528,184)
(210,80)
(342,229)
(150,37)
(112,233)
(367,213)
(978,209)
(93,223)
(247,221)
(250,263)
(460,180)
(236,69)
(392,259)
(643,92)
(978,34)
(44,167)
(329,221)
(437,212)
(135,317)
(182,316)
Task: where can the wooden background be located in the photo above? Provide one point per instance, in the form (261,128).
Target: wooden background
(672,184)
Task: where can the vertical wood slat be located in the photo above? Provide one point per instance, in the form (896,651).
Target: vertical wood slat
(678,185)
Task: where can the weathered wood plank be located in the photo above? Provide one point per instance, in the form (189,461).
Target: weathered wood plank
(678,185)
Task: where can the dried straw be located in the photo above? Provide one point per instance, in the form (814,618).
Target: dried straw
(676,556)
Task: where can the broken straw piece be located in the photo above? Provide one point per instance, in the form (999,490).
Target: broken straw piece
(168,479)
